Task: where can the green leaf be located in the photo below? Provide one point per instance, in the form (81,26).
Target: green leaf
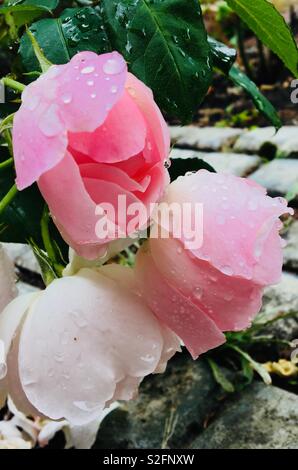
(21,220)
(165,44)
(220,377)
(260,101)
(77,29)
(223,56)
(259,368)
(181,166)
(43,62)
(26,11)
(22,217)
(270,27)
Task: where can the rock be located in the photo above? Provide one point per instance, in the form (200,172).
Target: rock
(23,256)
(237,164)
(170,410)
(291,250)
(265,141)
(262,417)
(205,138)
(279,300)
(278,176)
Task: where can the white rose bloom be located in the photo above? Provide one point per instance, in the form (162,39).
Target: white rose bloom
(83,343)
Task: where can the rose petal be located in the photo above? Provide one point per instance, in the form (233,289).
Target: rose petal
(51,107)
(120,137)
(191,324)
(83,347)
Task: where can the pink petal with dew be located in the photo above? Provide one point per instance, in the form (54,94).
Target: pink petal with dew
(92,333)
(157,126)
(53,105)
(121,136)
(73,209)
(112,174)
(231,302)
(198,332)
(234,215)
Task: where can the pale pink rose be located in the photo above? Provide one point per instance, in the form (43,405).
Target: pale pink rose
(8,292)
(87,132)
(81,344)
(8,288)
(200,292)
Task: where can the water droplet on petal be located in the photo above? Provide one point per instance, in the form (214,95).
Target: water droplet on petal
(227,270)
(87,70)
(113,66)
(114,89)
(93,95)
(50,123)
(131,91)
(67,98)
(90,83)
(198,293)
(148,358)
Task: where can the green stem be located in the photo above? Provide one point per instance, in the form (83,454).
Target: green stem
(46,234)
(8,138)
(17,86)
(8,198)
(6,164)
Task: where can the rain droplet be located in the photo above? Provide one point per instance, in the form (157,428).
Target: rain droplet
(87,70)
(90,83)
(131,91)
(148,358)
(86,406)
(33,102)
(50,124)
(114,89)
(67,98)
(93,95)
(198,293)
(227,270)
(113,66)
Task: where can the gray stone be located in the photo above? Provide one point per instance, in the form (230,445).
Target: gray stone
(237,164)
(291,250)
(278,176)
(23,256)
(280,300)
(205,138)
(262,417)
(170,410)
(285,141)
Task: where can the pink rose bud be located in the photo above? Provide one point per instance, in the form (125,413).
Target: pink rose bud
(89,132)
(82,343)
(200,291)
